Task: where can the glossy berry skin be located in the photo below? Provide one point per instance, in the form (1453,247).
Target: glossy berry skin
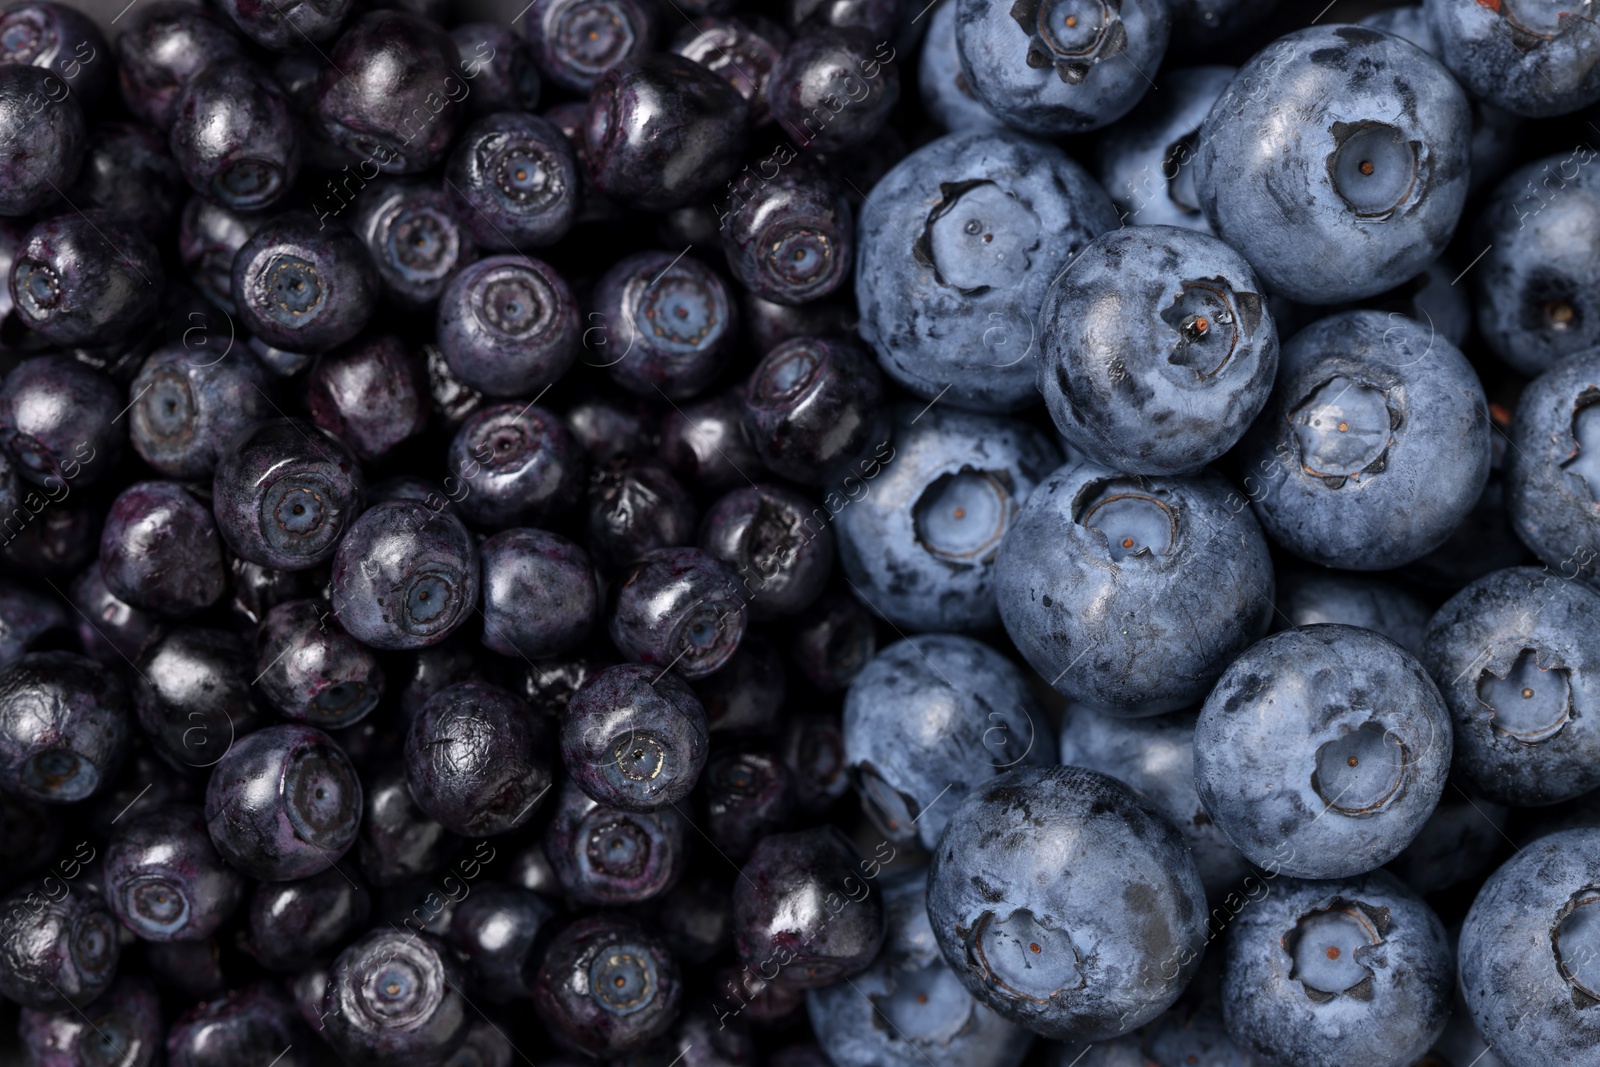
(310,670)
(932,1019)
(576,42)
(63,727)
(56,421)
(161,48)
(606,986)
(793,239)
(636,507)
(779,544)
(479,759)
(394,998)
(1534,286)
(398,842)
(159,550)
(501,66)
(634,738)
(235,136)
(190,407)
(678,609)
(371,394)
(209,236)
(1499,54)
(1511,654)
(237,1025)
(1325,973)
(122,1026)
(526,468)
(508,325)
(129,173)
(1374,183)
(1048,69)
(290,29)
(810,405)
(612,427)
(607,857)
(284,494)
(1414,462)
(1146,161)
(704,443)
(392,92)
(539,594)
(85,279)
(303,285)
(513,181)
(996,217)
(61,40)
(193,695)
(804,906)
(56,951)
(1157,350)
(293,924)
(669,327)
(414,237)
(404,576)
(495,932)
(164,879)
(833,89)
(1367,745)
(45,138)
(742,49)
(283,803)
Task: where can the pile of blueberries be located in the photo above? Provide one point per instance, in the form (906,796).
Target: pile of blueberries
(867,533)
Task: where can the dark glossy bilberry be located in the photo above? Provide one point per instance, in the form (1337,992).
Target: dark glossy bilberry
(678,609)
(539,594)
(500,65)
(1329,973)
(394,1000)
(58,948)
(85,279)
(302,285)
(1146,162)
(513,181)
(769,324)
(790,239)
(415,239)
(833,88)
(878,18)
(235,135)
(209,236)
(64,727)
(404,576)
(1373,446)
(294,924)
(121,1028)
(284,494)
(606,985)
(129,173)
(1368,172)
(636,507)
(746,795)
(615,427)
(1550,492)
(57,422)
(635,738)
(312,671)
(1346,768)
(27,619)
(193,696)
(1307,597)
(1533,59)
(257,589)
(520,464)
(996,218)
(159,550)
(576,42)
(1457,846)
(833,640)
(293,28)
(45,137)
(479,759)
(742,48)
(668,323)
(161,48)
(705,445)
(495,932)
(60,39)
(392,92)
(804,908)
(283,803)
(549,685)
(242,1024)
(190,403)
(810,405)
(812,747)
(605,856)
(508,325)
(164,879)
(398,841)
(744,698)
(111,630)
(372,395)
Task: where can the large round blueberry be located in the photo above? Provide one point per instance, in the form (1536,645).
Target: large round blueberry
(605,856)
(45,137)
(635,738)
(64,727)
(479,759)
(416,241)
(304,285)
(86,278)
(1551,494)
(508,326)
(236,137)
(1146,161)
(678,609)
(405,576)
(668,323)
(189,404)
(1535,58)
(520,464)
(311,670)
(514,181)
(193,695)
(1089,930)
(164,879)
(284,494)
(58,948)
(947,96)
(58,421)
(606,985)
(704,443)
(394,1000)
(159,550)
(539,594)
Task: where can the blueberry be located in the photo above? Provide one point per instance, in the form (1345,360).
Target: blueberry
(392,92)
(111,630)
(947,96)
(85,278)
(810,405)
(1549,492)
(704,443)
(1367,173)
(58,422)
(576,42)
(775,541)
(311,670)
(284,494)
(1358,732)
(834,88)
(193,695)
(613,427)
(742,48)
(398,841)
(1533,59)
(636,507)
(63,727)
(242,1023)
(164,879)
(394,998)
(833,640)
(159,550)
(520,463)
(404,576)
(508,325)
(501,66)
(303,285)
(496,932)
(1307,597)
(606,985)
(539,594)
(908,1009)
(293,924)
(45,137)
(678,609)
(161,49)
(1146,162)
(812,747)
(746,795)
(792,239)
(514,181)
(415,239)
(1009,919)
(745,697)
(608,857)
(121,1027)
(479,759)
(995,218)
(189,405)
(1051,67)
(235,136)
(56,952)
(257,589)
(371,394)
(668,324)
(60,39)
(1373,446)
(128,173)
(283,803)
(209,236)
(634,738)
(27,620)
